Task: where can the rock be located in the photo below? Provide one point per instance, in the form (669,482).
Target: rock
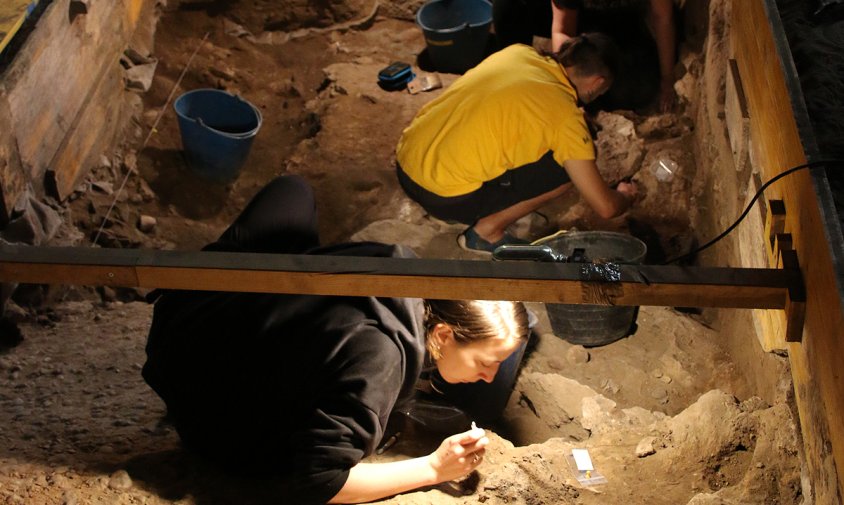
(103,187)
(658,392)
(14,312)
(620,150)
(130,162)
(69,498)
(146,223)
(556,364)
(145,191)
(108,294)
(120,480)
(645,447)
(610,386)
(578,355)
(235,30)
(139,77)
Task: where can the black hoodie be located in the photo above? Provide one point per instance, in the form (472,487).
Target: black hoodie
(296,386)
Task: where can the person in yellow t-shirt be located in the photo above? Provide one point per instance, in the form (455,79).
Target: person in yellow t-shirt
(508,137)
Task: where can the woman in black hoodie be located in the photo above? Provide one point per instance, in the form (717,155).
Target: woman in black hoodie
(300,387)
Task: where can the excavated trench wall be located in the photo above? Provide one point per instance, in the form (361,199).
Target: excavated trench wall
(751,125)
(63,102)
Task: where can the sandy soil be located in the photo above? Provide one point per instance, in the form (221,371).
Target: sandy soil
(666,414)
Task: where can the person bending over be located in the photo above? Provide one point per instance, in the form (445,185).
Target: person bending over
(508,137)
(645,29)
(299,388)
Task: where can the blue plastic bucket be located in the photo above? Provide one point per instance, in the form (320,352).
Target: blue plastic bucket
(456,32)
(217,131)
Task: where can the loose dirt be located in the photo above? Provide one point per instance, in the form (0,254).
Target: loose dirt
(666,415)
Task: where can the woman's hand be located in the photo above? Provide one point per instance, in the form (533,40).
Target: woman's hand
(629,189)
(456,457)
(459,454)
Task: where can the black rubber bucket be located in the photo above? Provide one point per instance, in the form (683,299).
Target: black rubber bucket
(456,32)
(595,325)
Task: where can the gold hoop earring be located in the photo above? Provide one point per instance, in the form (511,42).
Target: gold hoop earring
(435,352)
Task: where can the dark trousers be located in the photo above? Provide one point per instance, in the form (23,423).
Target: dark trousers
(513,186)
(281,219)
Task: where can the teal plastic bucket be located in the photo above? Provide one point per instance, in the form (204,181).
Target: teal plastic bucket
(595,325)
(217,131)
(456,32)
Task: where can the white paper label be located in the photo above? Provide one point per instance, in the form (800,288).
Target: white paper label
(582,459)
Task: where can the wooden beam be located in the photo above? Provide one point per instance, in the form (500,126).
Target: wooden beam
(64,128)
(425,278)
(774,224)
(782,137)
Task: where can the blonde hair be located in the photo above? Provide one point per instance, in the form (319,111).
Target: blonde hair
(474,320)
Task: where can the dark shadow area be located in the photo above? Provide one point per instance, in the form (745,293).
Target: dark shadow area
(423,61)
(174,183)
(212,7)
(648,234)
(426,64)
(10,335)
(176,474)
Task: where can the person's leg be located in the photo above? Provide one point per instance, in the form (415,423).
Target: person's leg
(497,203)
(491,228)
(518,193)
(280,219)
(459,209)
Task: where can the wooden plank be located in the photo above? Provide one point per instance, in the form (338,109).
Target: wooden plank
(795,306)
(782,138)
(737,118)
(12,15)
(425,278)
(753,252)
(774,225)
(94,128)
(13,180)
(49,117)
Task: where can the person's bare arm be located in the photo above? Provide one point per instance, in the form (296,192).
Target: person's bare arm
(605,201)
(455,458)
(661,20)
(563,25)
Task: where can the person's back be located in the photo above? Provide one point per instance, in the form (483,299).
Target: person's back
(508,137)
(506,112)
(242,373)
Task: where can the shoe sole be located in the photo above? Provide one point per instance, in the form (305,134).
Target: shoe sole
(461,241)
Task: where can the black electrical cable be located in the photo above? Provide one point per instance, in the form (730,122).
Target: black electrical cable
(772,180)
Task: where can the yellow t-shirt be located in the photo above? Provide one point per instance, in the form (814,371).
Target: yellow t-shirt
(508,111)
